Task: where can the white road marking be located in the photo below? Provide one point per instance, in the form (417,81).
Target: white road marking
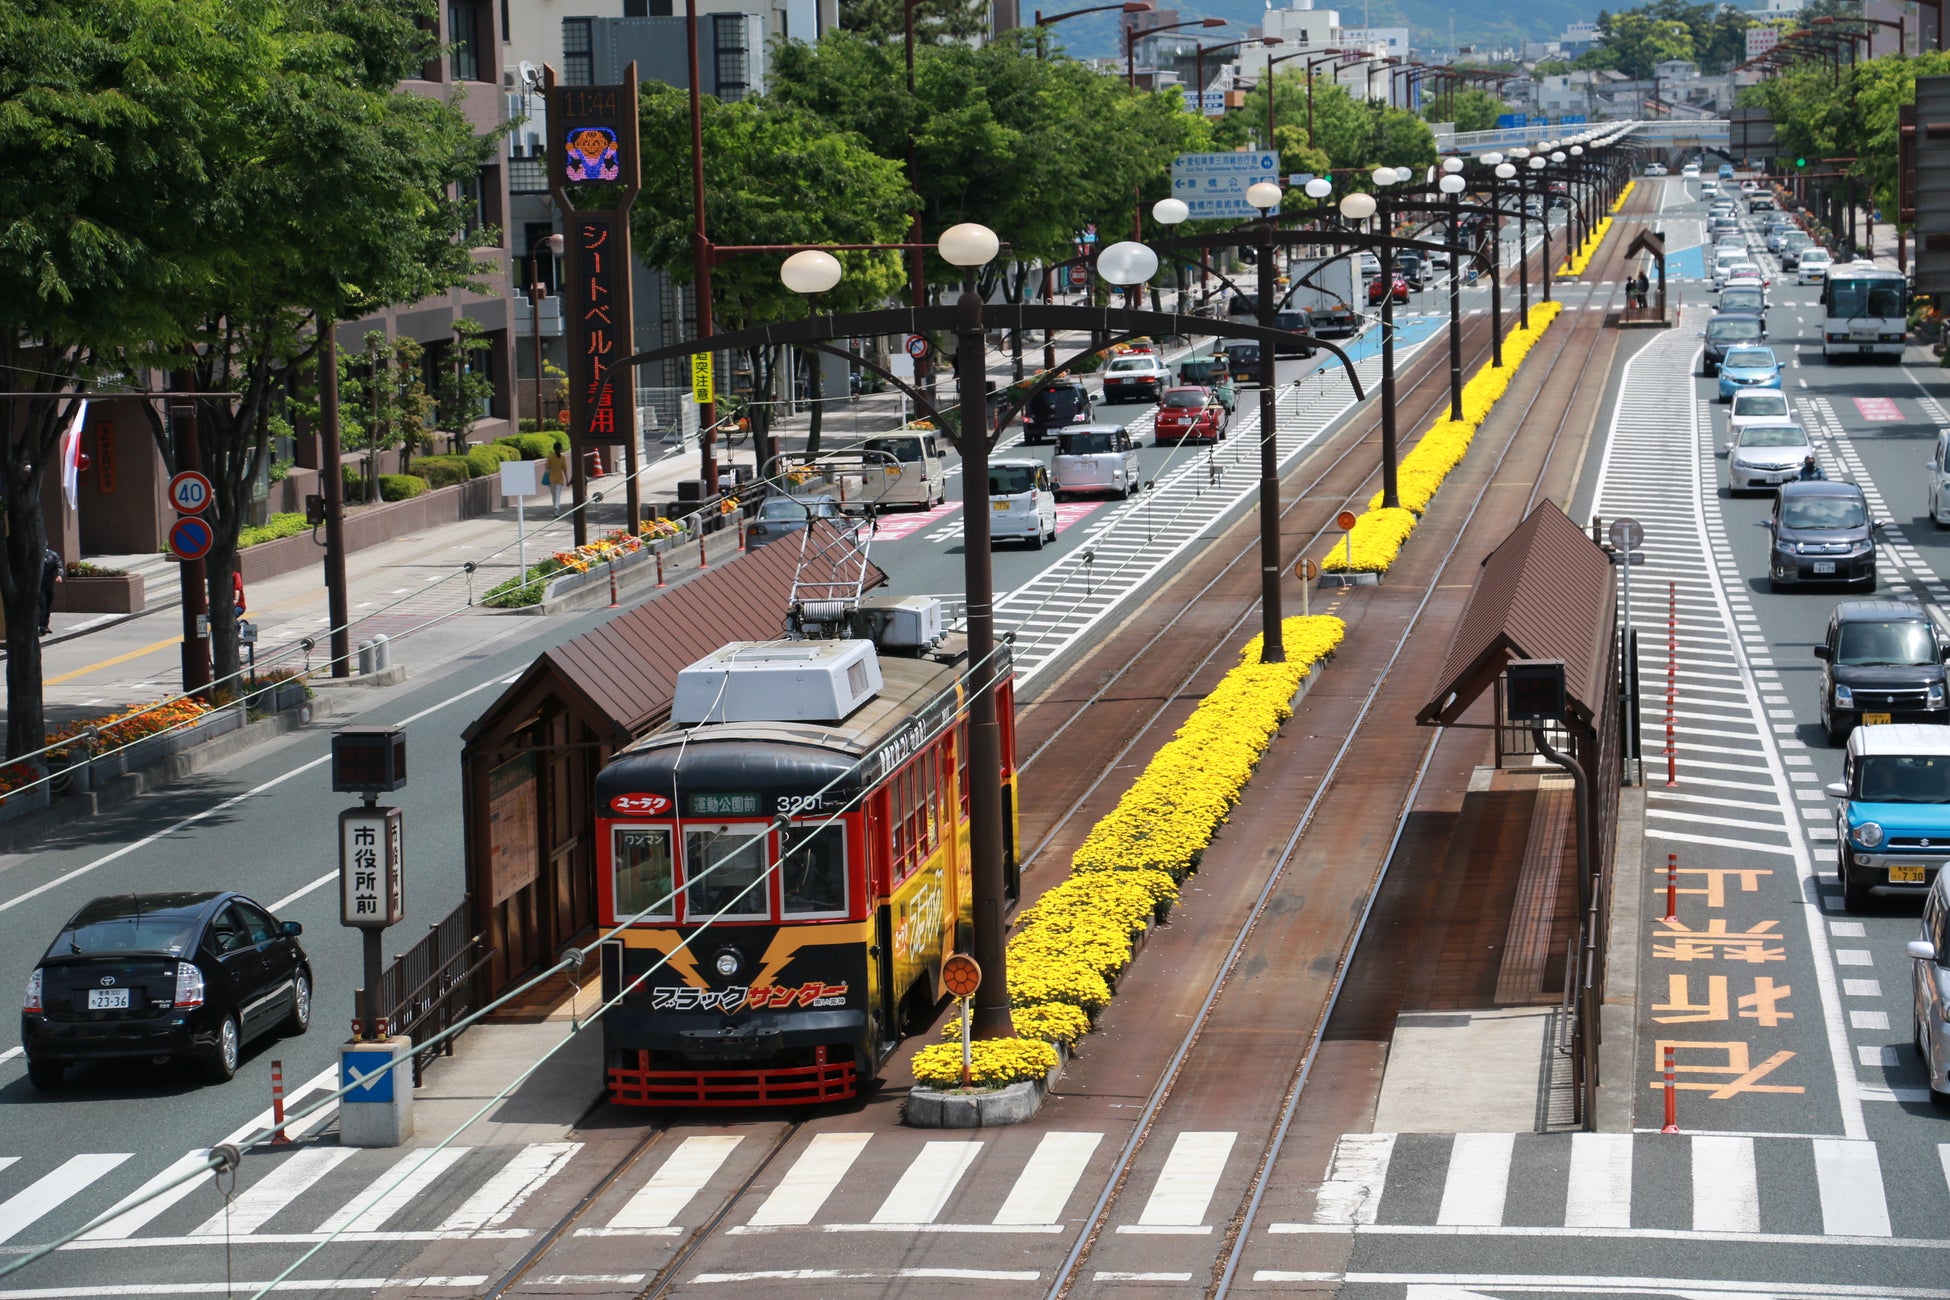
(411,1175)
(1479,1179)
(1849,1175)
(658,1202)
(293,1175)
(1726,1187)
(1600,1192)
(503,1194)
(811,1179)
(922,1191)
(1044,1186)
(369,1285)
(48,1192)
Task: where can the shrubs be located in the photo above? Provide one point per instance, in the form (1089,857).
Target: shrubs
(283,524)
(401,487)
(536,446)
(118,729)
(443,471)
(1067,949)
(526,590)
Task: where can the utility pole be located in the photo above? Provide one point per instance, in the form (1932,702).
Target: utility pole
(193,574)
(336,604)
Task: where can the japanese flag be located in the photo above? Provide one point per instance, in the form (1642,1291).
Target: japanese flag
(71,452)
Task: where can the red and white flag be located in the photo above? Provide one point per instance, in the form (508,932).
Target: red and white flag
(71,452)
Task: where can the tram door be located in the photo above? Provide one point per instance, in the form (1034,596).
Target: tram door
(881,993)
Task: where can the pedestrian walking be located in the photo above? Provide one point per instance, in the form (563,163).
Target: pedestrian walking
(555,472)
(51,572)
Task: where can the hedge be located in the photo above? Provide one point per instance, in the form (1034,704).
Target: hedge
(281,525)
(443,471)
(401,487)
(536,446)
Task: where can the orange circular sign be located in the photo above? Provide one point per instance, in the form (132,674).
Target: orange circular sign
(961,975)
(1345,519)
(1307,570)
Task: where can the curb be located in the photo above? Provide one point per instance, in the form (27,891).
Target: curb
(1015,1104)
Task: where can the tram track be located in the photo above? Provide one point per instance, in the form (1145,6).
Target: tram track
(1558,401)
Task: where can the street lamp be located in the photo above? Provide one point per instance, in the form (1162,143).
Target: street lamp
(810,271)
(1042,21)
(1360,206)
(1132,36)
(1198,67)
(537,292)
(1452,184)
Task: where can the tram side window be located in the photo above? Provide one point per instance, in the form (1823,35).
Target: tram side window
(961,768)
(641,863)
(813,870)
(931,806)
(724,870)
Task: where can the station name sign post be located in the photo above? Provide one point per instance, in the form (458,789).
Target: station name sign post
(594,177)
(376,1066)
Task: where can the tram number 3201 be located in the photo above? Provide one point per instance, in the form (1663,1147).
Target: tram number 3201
(791,805)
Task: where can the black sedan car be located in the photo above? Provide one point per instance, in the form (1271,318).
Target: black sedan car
(1822,533)
(147,977)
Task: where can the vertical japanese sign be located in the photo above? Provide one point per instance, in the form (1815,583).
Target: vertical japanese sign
(372,881)
(594,177)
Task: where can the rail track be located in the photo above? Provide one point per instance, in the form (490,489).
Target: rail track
(1133,689)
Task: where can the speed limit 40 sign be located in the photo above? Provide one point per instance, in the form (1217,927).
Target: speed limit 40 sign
(189,492)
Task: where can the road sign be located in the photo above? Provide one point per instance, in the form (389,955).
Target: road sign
(1079,275)
(961,976)
(1626,534)
(1213,185)
(917,346)
(189,492)
(372,883)
(1213,103)
(190,538)
(1345,519)
(703,389)
(1307,570)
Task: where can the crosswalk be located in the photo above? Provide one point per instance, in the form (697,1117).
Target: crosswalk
(1626,1184)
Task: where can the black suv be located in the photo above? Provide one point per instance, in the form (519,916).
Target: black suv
(1063,403)
(1724,332)
(1882,661)
(1821,533)
(139,977)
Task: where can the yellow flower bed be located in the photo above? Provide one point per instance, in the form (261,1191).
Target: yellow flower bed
(1378,534)
(1077,938)
(993,1063)
(1582,258)
(1618,204)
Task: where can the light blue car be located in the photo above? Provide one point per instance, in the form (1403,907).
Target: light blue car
(1748,368)
(1892,815)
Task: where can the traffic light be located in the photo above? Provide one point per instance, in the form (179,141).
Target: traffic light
(1800,162)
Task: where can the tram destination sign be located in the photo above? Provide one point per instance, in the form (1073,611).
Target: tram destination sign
(721,805)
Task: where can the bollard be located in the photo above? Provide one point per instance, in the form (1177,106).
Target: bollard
(703,560)
(612,582)
(1672,887)
(279,1138)
(1672,1097)
(660,568)
(741,532)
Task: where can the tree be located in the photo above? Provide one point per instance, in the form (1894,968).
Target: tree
(462,389)
(1474,109)
(345,205)
(934,20)
(1349,133)
(103,162)
(1635,41)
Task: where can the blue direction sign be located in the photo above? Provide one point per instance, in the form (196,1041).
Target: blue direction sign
(190,538)
(1213,185)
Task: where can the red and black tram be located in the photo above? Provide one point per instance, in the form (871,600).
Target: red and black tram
(794,851)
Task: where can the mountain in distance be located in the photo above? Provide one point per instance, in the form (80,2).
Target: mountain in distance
(1477,22)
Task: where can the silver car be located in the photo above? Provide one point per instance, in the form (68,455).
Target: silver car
(1930,987)
(1096,458)
(1764,456)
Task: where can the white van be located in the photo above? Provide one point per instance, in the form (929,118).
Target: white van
(919,478)
(1938,466)
(1022,505)
(1096,458)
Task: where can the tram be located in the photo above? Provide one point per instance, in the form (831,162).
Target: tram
(789,860)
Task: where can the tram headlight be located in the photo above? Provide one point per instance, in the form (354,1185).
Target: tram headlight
(727,962)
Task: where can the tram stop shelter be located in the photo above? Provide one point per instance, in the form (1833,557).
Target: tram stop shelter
(1540,863)
(529,762)
(1653,314)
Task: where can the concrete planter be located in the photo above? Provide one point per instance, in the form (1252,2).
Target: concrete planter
(982,1107)
(88,594)
(20,803)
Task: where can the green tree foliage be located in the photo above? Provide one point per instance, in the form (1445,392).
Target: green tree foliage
(934,20)
(106,112)
(463,387)
(1633,41)
(1349,133)
(1474,109)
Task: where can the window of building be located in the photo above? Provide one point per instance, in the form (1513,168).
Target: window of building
(464,37)
(473,202)
(578,59)
(734,56)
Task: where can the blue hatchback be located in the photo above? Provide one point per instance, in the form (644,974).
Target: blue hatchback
(1748,368)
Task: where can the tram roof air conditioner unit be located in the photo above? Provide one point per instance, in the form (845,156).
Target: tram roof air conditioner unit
(904,622)
(777,681)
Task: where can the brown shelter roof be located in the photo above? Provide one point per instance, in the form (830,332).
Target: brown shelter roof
(1646,241)
(624,672)
(1544,593)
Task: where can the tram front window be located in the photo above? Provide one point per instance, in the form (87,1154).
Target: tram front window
(724,871)
(813,875)
(642,871)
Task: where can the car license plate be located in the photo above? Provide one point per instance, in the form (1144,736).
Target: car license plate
(1875,719)
(1905,875)
(1824,566)
(108,999)
(998,505)
(1865,347)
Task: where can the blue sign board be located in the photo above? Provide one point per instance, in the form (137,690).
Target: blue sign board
(1213,185)
(1504,121)
(1572,119)
(1213,103)
(365,1073)
(190,538)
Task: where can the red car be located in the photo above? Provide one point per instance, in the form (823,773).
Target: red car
(1189,412)
(1375,290)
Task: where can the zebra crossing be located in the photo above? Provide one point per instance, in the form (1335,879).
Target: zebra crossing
(1629,1184)
(1009,1183)
(1730,718)
(1899,564)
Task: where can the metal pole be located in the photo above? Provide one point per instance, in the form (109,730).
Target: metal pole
(707,412)
(193,574)
(1455,307)
(1272,642)
(1390,488)
(338,607)
(375,968)
(1496,275)
(535,331)
(992,1016)
(1544,225)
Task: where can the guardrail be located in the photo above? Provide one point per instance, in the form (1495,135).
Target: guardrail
(434,985)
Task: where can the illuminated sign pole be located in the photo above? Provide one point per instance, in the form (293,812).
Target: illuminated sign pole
(594,177)
(376,1066)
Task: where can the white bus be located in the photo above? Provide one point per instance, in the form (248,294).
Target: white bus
(1865,312)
